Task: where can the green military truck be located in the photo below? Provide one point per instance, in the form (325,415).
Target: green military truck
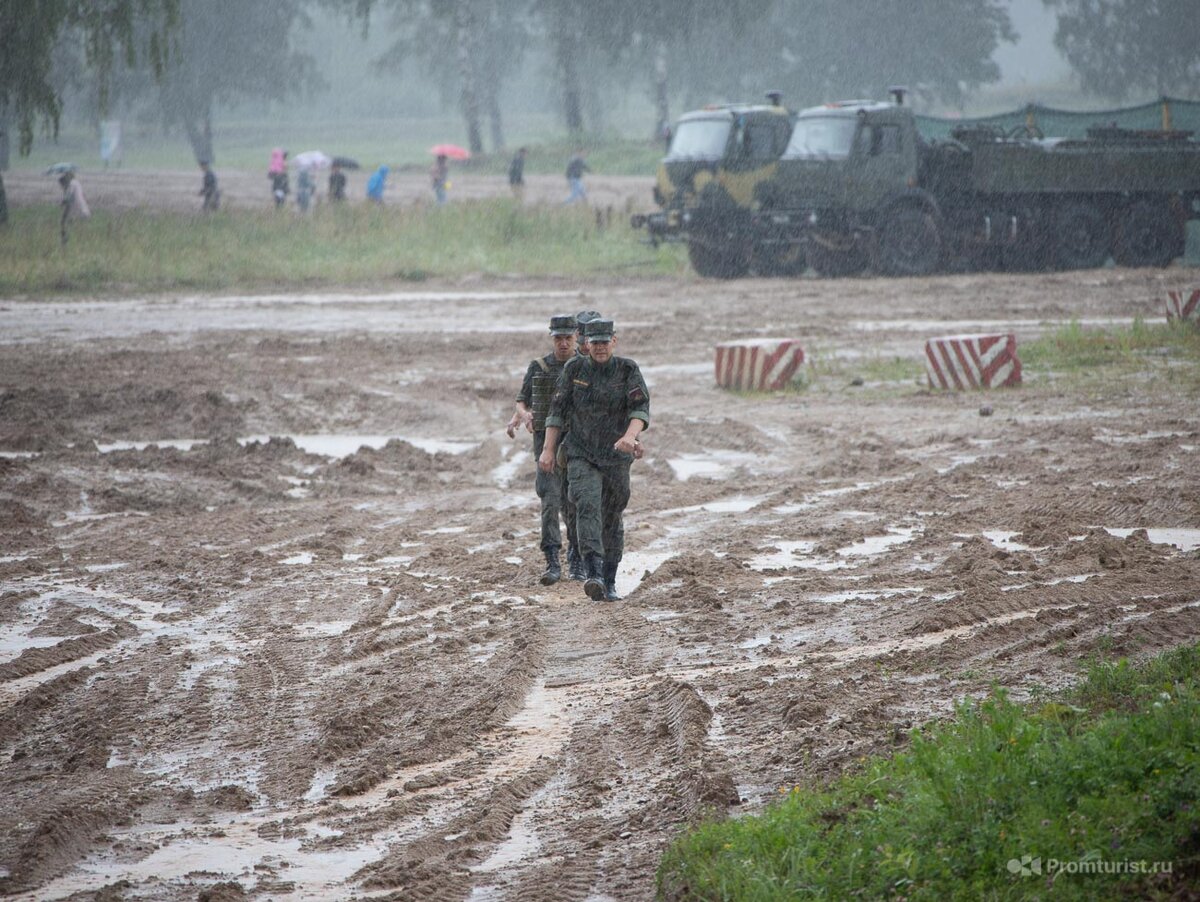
(858,186)
(706,187)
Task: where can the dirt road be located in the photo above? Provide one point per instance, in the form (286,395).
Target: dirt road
(320,666)
(125,189)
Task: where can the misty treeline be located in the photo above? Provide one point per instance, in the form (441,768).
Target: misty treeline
(186,62)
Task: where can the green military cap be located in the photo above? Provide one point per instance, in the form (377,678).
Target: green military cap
(599,330)
(562,324)
(583,317)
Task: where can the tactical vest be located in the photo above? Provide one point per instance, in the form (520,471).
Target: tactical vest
(544,380)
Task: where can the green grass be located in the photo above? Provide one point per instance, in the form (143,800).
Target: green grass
(336,246)
(1108,773)
(1077,350)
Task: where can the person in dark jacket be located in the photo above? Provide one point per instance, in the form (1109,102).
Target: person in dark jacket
(337,182)
(576,167)
(602,404)
(208,189)
(533,406)
(516,176)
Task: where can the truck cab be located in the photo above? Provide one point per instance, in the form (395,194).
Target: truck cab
(845,164)
(706,185)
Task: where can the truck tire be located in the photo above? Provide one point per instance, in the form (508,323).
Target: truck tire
(780,260)
(910,243)
(712,263)
(832,262)
(1083,239)
(1148,234)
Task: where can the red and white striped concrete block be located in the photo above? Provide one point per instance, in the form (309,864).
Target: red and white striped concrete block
(972,361)
(1184,306)
(764,364)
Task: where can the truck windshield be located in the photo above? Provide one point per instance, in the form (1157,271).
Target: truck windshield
(822,137)
(700,139)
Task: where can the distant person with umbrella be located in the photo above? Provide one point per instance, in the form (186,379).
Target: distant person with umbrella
(439,175)
(337,182)
(439,172)
(208,189)
(74,204)
(277,173)
(516,176)
(305,188)
(376,183)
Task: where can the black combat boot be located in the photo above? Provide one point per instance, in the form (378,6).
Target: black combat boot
(610,582)
(594,585)
(575,565)
(553,569)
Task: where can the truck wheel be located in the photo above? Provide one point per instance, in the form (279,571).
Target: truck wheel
(832,262)
(718,264)
(1082,236)
(909,243)
(1147,235)
(780,260)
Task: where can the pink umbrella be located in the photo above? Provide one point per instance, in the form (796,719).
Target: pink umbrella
(453,151)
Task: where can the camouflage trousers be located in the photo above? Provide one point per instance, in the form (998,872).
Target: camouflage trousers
(600,494)
(556,501)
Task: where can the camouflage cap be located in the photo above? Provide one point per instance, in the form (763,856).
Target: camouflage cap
(583,317)
(599,330)
(562,324)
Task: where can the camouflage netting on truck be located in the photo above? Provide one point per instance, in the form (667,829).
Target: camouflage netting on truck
(1169,112)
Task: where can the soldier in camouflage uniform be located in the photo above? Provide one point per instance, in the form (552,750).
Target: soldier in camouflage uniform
(602,404)
(583,317)
(533,404)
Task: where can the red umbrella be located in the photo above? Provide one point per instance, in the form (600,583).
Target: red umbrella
(453,151)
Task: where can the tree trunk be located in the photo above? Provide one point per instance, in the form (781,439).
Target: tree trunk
(3,137)
(566,50)
(494,117)
(468,45)
(3,203)
(661,107)
(199,134)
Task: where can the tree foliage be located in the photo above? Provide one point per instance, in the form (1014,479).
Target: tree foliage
(230,50)
(1122,46)
(941,49)
(134,32)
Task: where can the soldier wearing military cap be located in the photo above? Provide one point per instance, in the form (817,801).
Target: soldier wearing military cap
(582,318)
(533,405)
(602,404)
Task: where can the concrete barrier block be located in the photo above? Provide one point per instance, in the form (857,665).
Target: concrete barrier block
(763,364)
(972,361)
(1184,306)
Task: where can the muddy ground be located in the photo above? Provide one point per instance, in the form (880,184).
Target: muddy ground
(319,665)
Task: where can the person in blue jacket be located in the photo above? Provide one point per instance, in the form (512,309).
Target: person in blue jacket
(376,183)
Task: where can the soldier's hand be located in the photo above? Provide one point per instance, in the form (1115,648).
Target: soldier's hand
(528,418)
(626,444)
(546,461)
(638,449)
(511,428)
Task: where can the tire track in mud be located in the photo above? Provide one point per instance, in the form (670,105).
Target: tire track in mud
(603,743)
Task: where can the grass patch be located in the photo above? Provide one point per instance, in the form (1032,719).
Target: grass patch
(335,246)
(872,375)
(1099,785)
(1075,349)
